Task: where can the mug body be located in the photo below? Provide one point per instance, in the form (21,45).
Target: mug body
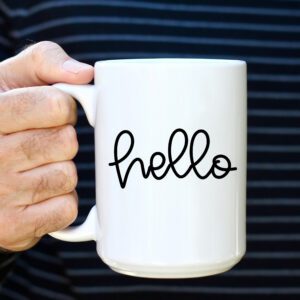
(170,139)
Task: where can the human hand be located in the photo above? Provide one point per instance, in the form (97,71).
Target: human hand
(37,144)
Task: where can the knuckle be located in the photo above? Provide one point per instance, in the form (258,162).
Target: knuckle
(69,141)
(61,106)
(66,177)
(70,209)
(73,177)
(39,50)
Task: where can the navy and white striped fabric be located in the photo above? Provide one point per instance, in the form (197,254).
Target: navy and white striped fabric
(266,34)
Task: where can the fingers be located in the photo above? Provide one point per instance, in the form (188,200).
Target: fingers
(47,182)
(53,214)
(37,142)
(42,63)
(32,148)
(35,107)
(22,228)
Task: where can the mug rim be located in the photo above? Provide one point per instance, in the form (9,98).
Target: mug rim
(173,61)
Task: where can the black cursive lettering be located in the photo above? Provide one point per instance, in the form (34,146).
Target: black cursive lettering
(152,168)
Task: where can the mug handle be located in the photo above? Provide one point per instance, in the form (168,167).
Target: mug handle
(86,96)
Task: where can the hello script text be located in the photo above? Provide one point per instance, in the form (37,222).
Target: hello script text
(221,165)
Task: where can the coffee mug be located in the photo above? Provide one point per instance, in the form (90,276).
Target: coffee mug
(170,143)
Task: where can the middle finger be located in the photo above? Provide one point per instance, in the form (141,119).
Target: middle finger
(32,148)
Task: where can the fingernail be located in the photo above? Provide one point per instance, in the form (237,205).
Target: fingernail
(74,66)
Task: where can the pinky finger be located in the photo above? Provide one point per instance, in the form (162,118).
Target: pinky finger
(52,214)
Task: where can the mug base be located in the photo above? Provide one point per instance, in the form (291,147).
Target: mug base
(165,272)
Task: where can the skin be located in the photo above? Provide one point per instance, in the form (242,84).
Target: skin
(37,144)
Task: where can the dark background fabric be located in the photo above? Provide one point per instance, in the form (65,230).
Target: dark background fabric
(266,34)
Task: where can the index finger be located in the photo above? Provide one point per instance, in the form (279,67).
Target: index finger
(35,107)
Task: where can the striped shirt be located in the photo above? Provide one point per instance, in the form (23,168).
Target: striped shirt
(266,34)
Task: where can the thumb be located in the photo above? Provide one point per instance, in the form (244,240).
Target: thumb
(40,64)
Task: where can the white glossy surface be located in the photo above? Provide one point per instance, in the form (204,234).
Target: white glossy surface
(171,228)
(172,222)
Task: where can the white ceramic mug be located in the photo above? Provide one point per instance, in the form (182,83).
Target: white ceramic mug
(170,139)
